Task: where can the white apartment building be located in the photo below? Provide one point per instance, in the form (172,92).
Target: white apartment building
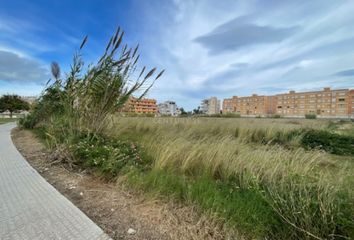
(168,108)
(210,106)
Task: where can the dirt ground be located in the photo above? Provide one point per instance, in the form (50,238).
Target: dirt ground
(116,208)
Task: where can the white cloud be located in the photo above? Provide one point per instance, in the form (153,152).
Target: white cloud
(306,58)
(16,68)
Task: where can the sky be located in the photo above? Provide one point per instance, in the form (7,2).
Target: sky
(209,48)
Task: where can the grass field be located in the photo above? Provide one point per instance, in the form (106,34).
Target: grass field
(264,178)
(6,120)
(256,175)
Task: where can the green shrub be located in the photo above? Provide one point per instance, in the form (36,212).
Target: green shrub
(275,116)
(310,116)
(48,105)
(28,121)
(223,115)
(330,142)
(231,115)
(108,156)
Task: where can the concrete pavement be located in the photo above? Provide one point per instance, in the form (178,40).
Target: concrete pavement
(30,208)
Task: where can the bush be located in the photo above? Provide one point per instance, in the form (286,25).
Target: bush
(46,106)
(108,156)
(231,115)
(330,142)
(28,121)
(224,115)
(275,116)
(310,116)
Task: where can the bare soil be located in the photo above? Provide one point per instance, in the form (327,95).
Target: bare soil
(116,208)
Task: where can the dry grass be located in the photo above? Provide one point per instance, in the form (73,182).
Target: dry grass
(302,187)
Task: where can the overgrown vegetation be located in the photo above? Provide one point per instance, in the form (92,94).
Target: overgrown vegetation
(269,178)
(86,98)
(310,116)
(306,193)
(330,142)
(224,115)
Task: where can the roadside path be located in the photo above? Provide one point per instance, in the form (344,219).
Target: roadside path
(30,208)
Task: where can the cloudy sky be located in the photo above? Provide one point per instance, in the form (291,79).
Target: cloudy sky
(208,48)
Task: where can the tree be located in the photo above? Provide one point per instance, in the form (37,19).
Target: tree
(197,110)
(183,112)
(12,103)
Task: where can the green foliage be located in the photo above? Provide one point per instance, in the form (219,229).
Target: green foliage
(133,114)
(87,98)
(275,116)
(47,106)
(28,121)
(244,209)
(183,112)
(304,193)
(330,142)
(108,156)
(310,116)
(252,177)
(12,103)
(197,111)
(231,115)
(224,115)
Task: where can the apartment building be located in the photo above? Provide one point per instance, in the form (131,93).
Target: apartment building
(351,104)
(168,108)
(325,103)
(141,106)
(229,104)
(251,105)
(210,106)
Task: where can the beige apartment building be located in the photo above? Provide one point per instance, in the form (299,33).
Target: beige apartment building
(325,103)
(351,103)
(252,105)
(210,106)
(329,103)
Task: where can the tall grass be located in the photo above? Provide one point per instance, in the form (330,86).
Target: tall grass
(87,95)
(306,190)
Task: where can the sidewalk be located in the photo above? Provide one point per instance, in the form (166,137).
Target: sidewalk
(30,208)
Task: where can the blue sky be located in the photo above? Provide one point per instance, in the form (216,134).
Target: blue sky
(208,48)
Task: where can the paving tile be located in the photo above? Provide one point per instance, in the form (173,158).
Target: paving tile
(30,208)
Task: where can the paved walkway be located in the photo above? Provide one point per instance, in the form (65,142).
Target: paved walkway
(30,208)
